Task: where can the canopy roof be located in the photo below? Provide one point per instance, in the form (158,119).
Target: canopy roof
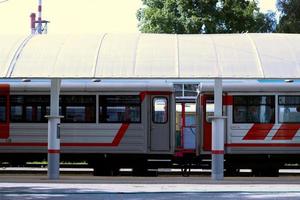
(150,56)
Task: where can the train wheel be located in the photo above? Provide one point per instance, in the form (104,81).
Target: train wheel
(186,169)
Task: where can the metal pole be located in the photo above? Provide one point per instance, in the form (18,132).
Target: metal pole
(53,131)
(218,134)
(40,17)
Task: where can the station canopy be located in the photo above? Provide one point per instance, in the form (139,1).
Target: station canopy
(144,56)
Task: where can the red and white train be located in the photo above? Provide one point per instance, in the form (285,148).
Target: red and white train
(114,125)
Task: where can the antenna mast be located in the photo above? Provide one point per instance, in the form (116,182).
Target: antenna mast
(38,26)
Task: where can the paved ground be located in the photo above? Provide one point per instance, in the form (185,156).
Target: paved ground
(137,188)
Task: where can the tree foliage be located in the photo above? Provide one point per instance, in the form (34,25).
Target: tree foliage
(203,16)
(289,21)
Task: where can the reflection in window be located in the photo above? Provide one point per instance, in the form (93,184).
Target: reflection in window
(2,109)
(253,109)
(289,109)
(78,109)
(160,110)
(119,109)
(16,113)
(29,108)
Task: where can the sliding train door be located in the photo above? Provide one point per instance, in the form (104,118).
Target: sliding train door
(160,123)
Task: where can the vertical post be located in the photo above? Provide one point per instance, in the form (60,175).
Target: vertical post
(218,134)
(182,124)
(40,17)
(53,131)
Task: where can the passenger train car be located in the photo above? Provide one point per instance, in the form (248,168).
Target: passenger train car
(114,125)
(262,125)
(108,125)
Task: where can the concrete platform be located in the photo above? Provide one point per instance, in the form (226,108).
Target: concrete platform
(19,187)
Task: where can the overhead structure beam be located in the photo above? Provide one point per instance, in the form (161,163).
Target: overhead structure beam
(218,127)
(54,131)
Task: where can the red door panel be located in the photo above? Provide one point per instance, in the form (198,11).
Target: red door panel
(206,124)
(4,124)
(206,101)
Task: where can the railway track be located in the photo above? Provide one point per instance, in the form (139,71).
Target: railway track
(77,170)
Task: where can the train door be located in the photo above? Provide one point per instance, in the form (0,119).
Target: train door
(208,111)
(186,126)
(160,123)
(4,111)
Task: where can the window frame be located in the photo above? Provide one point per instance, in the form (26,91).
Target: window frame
(63,105)
(4,104)
(279,104)
(24,104)
(153,110)
(247,105)
(107,105)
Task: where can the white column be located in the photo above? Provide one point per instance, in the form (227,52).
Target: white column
(53,131)
(218,127)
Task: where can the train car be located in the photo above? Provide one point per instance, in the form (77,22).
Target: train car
(262,125)
(108,125)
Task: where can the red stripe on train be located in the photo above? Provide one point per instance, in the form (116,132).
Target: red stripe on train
(286,132)
(114,143)
(258,132)
(263,145)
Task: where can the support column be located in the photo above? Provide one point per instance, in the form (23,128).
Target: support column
(54,131)
(218,127)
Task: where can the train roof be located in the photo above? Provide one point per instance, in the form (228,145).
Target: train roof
(94,86)
(253,86)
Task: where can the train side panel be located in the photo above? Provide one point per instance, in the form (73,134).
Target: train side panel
(98,137)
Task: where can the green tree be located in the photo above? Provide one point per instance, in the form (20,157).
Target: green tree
(203,16)
(289,21)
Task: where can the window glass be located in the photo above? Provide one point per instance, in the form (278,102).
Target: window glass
(78,108)
(289,109)
(190,114)
(190,90)
(16,113)
(253,109)
(2,109)
(210,109)
(240,114)
(119,108)
(178,90)
(160,110)
(29,108)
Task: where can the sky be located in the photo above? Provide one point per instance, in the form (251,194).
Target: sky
(79,16)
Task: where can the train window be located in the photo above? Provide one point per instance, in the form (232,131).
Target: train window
(289,109)
(29,108)
(253,109)
(160,110)
(2,109)
(209,108)
(78,109)
(119,108)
